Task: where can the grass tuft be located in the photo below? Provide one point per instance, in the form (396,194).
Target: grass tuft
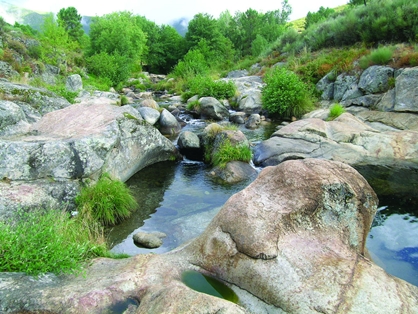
(107,202)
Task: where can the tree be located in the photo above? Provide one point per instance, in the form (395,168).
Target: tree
(70,20)
(116,37)
(117,33)
(55,41)
(321,15)
(357,2)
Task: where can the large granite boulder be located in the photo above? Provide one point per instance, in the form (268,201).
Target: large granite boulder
(82,141)
(295,240)
(346,139)
(291,242)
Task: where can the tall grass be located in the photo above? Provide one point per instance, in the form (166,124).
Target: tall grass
(44,241)
(107,202)
(228,152)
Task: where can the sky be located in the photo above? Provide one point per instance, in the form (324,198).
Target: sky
(166,11)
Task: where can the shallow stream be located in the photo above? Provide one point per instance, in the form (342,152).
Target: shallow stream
(180,199)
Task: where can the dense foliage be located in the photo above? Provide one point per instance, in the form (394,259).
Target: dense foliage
(285,94)
(70,20)
(204,86)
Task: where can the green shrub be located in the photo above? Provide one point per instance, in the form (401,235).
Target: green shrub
(124,100)
(204,86)
(193,64)
(43,241)
(335,111)
(116,68)
(62,91)
(107,202)
(228,152)
(285,94)
(380,56)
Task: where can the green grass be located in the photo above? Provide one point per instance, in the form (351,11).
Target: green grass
(107,202)
(44,241)
(380,56)
(335,111)
(228,152)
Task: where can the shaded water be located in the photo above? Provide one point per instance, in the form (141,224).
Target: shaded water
(180,199)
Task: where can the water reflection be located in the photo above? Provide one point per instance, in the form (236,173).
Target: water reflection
(393,240)
(179,199)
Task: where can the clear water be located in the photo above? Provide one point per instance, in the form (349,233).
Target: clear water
(180,199)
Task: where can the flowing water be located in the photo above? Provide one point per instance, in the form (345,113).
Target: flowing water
(180,199)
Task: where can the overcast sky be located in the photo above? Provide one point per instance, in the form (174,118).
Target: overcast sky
(165,11)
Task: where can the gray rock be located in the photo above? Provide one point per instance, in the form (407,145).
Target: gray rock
(149,240)
(168,123)
(237,74)
(400,121)
(10,114)
(189,145)
(74,83)
(150,115)
(82,141)
(237,117)
(151,103)
(6,70)
(211,108)
(326,86)
(406,89)
(345,139)
(342,84)
(253,121)
(375,79)
(387,103)
(367,101)
(33,101)
(234,172)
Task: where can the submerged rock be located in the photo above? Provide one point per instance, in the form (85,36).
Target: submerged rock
(149,240)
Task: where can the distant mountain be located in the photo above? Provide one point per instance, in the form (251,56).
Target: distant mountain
(181,25)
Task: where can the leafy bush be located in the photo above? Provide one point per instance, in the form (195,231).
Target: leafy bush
(285,94)
(193,64)
(228,152)
(108,201)
(116,68)
(335,111)
(46,241)
(204,86)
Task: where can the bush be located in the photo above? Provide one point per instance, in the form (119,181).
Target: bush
(46,241)
(228,152)
(285,94)
(204,86)
(107,202)
(193,64)
(116,68)
(380,56)
(335,111)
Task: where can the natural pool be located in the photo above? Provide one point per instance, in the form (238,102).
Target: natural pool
(180,199)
